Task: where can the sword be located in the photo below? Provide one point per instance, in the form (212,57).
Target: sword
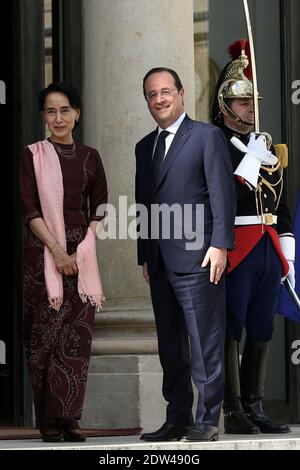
(292,294)
(254,76)
(253,66)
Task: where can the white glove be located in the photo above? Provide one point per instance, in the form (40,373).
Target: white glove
(290,275)
(288,246)
(256,153)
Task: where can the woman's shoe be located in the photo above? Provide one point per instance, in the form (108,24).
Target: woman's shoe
(71,430)
(50,432)
(74,435)
(52,437)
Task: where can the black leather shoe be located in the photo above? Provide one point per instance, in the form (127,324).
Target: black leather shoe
(237,422)
(255,413)
(267,426)
(168,432)
(201,432)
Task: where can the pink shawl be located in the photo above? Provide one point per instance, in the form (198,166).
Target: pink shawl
(51,193)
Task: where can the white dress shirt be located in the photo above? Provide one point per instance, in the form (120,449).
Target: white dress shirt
(172,129)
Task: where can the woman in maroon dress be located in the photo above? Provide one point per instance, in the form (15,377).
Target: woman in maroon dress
(58,339)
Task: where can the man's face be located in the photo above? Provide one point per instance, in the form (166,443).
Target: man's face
(244,109)
(165,102)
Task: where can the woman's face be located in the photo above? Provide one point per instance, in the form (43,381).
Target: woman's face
(60,117)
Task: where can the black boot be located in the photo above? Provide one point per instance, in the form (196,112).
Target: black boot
(235,419)
(253,376)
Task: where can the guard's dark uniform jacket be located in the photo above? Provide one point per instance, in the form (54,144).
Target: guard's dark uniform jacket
(268,199)
(257,264)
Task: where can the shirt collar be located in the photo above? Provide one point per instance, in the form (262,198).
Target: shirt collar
(173,128)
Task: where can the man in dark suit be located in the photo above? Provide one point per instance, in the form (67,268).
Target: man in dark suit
(184,166)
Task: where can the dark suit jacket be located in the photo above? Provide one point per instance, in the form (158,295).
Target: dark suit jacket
(197,170)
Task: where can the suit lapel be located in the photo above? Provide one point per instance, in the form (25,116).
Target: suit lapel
(148,162)
(179,140)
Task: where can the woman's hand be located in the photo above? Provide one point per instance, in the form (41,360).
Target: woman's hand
(65,264)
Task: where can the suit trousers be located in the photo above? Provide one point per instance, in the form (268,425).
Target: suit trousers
(190,320)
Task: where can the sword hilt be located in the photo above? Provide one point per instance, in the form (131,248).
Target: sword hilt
(268,138)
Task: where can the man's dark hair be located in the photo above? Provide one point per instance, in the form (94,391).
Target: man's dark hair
(61,87)
(177,80)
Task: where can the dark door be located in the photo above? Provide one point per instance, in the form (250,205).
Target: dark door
(23,76)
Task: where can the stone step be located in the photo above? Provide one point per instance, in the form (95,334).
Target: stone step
(126,345)
(131,443)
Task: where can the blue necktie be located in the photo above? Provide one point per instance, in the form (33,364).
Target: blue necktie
(158,157)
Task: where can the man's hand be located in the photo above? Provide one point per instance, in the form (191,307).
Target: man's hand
(217,258)
(257,148)
(290,275)
(288,247)
(145,273)
(256,154)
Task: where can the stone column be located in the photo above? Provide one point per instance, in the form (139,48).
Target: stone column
(122,41)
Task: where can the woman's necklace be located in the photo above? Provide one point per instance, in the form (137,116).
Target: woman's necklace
(65,153)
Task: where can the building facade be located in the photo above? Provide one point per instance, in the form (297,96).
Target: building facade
(104,49)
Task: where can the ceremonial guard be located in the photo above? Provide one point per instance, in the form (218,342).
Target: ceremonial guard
(264,247)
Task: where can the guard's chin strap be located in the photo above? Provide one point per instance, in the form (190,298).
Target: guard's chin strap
(237,118)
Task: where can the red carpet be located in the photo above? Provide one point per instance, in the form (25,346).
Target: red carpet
(16,432)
